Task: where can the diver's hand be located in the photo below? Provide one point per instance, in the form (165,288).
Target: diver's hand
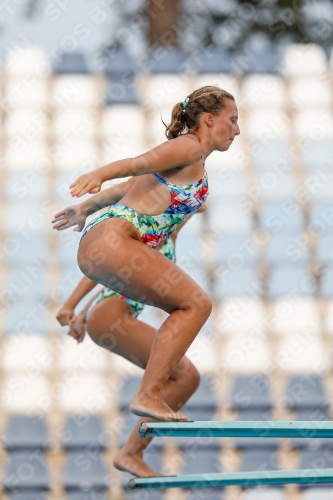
(68,217)
(77,328)
(86,183)
(65,315)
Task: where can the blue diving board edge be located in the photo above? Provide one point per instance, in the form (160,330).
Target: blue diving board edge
(257,429)
(304,476)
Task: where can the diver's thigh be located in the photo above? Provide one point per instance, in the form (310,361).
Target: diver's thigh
(130,267)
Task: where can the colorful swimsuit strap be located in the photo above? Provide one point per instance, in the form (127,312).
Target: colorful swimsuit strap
(169,183)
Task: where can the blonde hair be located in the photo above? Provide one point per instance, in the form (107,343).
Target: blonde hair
(209,99)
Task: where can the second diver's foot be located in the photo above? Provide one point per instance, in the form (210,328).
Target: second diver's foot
(133,464)
(146,407)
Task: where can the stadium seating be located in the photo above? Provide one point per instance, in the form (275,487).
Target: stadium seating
(262,251)
(85,472)
(26,471)
(26,433)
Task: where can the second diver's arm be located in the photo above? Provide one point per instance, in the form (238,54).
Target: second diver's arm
(77,326)
(66,313)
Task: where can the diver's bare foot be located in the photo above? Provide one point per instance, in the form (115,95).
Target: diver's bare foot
(133,464)
(146,407)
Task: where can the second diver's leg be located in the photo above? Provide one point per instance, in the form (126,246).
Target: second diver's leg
(112,326)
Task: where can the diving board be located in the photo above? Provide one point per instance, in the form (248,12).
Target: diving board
(255,429)
(305,476)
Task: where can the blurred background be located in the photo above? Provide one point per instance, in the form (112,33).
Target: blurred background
(83,83)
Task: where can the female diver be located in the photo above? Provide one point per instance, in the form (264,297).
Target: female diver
(111,321)
(117,249)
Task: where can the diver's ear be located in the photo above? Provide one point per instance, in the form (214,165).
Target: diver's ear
(208,119)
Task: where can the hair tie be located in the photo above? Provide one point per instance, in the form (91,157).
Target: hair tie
(185,103)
